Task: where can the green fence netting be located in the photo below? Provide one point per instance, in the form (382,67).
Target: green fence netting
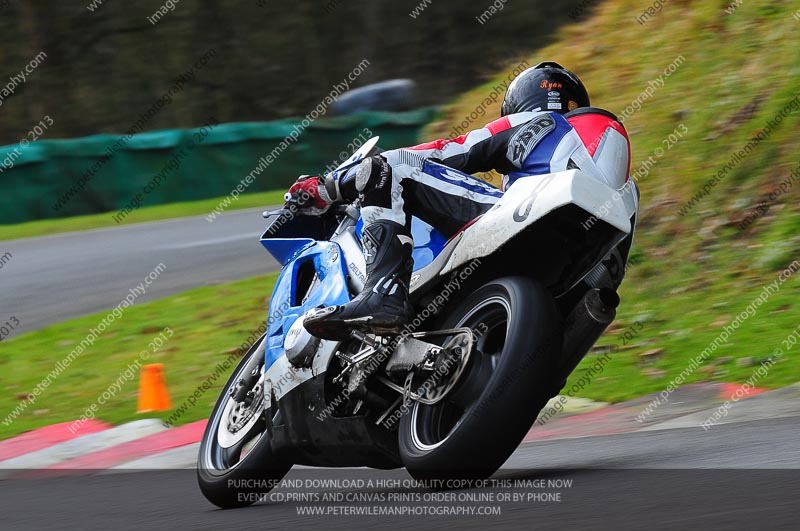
(104,173)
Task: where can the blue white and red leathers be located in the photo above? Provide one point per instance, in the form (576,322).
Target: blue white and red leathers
(432,181)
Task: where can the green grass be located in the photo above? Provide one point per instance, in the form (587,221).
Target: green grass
(208,324)
(153,213)
(699,271)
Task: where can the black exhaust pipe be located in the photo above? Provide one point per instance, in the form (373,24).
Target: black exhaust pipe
(585,324)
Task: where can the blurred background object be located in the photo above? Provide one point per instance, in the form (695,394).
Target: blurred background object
(100,72)
(391,95)
(106,65)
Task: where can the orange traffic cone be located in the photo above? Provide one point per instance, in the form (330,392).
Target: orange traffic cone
(153,394)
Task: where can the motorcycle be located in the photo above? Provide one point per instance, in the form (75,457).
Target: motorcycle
(507,308)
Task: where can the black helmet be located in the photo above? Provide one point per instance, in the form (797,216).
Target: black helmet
(545,87)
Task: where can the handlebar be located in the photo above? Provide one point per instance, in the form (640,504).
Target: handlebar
(299,200)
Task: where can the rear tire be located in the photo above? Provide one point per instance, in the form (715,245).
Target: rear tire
(237,467)
(508,380)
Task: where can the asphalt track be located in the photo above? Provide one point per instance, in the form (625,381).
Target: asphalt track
(55,278)
(734,476)
(738,475)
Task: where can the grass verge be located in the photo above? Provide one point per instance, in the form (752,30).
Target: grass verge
(208,324)
(47,227)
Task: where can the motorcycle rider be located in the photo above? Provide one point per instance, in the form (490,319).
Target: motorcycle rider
(546,125)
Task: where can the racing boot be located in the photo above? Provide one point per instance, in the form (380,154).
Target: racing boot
(383,306)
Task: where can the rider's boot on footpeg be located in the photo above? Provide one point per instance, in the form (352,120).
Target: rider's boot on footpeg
(383,306)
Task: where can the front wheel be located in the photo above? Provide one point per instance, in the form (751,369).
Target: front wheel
(507,381)
(236,465)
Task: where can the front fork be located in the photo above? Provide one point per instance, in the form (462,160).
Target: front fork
(252,372)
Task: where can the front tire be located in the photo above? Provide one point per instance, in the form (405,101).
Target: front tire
(508,380)
(236,465)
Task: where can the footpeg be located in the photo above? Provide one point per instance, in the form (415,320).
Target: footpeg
(370,345)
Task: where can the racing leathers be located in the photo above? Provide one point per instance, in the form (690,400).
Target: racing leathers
(432,182)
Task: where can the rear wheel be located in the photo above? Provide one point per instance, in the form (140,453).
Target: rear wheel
(236,465)
(507,381)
